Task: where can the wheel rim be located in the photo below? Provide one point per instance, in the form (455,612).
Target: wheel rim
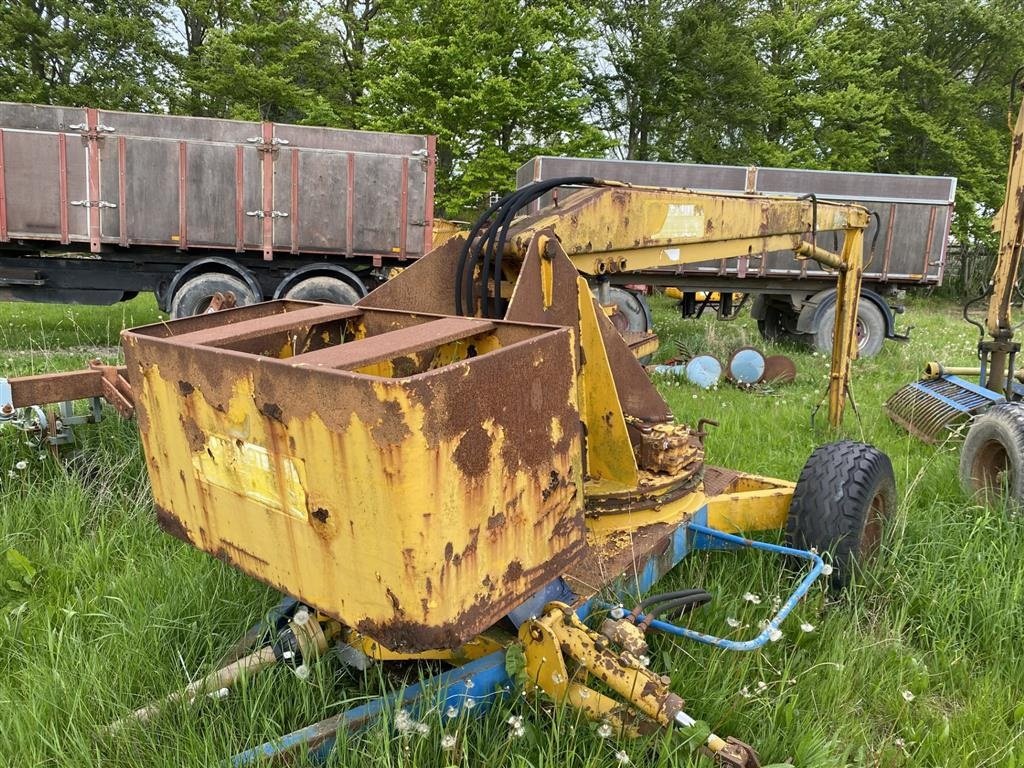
(990,470)
(863,334)
(871,536)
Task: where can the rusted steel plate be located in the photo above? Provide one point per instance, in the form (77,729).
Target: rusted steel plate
(46,388)
(471,469)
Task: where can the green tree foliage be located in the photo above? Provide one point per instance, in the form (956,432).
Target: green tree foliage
(270,60)
(95,52)
(497,81)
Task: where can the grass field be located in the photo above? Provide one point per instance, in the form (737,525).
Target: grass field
(922,663)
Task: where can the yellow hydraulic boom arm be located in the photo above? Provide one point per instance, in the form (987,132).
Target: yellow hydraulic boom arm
(614,227)
(1010,223)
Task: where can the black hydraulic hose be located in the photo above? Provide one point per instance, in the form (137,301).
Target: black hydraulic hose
(646,603)
(679,606)
(495,223)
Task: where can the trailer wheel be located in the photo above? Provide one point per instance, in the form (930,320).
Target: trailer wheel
(632,315)
(773,326)
(842,500)
(992,458)
(193,296)
(326,288)
(870,329)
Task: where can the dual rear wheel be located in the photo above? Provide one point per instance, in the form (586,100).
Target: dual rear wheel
(196,294)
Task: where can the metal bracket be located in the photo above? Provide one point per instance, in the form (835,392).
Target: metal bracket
(83,128)
(93,203)
(267,146)
(265,214)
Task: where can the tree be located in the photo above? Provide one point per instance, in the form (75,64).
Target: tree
(496,81)
(279,60)
(92,52)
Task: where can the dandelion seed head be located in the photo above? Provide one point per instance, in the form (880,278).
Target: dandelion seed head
(908,696)
(775,634)
(807,626)
(734,623)
(826,570)
(451,712)
(448,741)
(622,757)
(750,597)
(604,730)
(21,465)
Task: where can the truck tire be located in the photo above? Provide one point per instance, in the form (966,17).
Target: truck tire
(992,457)
(845,493)
(325,288)
(773,326)
(193,296)
(633,313)
(870,329)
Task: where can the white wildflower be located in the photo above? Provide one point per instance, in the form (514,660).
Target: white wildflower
(762,686)
(11,473)
(807,626)
(826,570)
(604,730)
(21,465)
(515,723)
(734,623)
(622,757)
(451,712)
(775,635)
(908,696)
(404,722)
(750,597)
(468,703)
(448,741)
(745,692)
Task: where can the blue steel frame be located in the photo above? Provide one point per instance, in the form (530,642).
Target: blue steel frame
(479,684)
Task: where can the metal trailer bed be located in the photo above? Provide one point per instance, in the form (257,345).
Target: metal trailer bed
(83,189)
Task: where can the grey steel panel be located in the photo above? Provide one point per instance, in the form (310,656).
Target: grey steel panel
(417,206)
(349,141)
(211,193)
(32,171)
(178,127)
(78,187)
(37,117)
(252,197)
(152,191)
(323,200)
(860,186)
(110,229)
(377,204)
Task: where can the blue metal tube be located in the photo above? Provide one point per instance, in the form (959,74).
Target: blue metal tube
(777,619)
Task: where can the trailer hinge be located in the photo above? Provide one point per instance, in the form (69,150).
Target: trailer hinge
(265,214)
(83,128)
(93,203)
(267,146)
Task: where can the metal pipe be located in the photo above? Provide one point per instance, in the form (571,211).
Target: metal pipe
(808,251)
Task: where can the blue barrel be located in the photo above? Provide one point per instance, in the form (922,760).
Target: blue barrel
(704,371)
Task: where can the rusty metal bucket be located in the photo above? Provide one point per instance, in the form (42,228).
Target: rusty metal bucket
(414,476)
(933,408)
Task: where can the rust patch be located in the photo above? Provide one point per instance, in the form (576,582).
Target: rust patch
(195,436)
(172,525)
(185,388)
(394,600)
(514,572)
(320,514)
(272,411)
(472,452)
(497,520)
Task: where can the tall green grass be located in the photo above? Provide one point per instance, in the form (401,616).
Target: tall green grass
(922,663)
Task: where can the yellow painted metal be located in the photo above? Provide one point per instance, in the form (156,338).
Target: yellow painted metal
(610,460)
(612,524)
(756,510)
(482,645)
(844,340)
(377,500)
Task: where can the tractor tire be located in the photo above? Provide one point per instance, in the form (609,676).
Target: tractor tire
(992,457)
(325,288)
(870,329)
(193,296)
(845,493)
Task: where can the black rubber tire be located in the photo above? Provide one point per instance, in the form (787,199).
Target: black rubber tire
(773,326)
(325,288)
(870,329)
(845,493)
(633,313)
(992,457)
(193,296)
